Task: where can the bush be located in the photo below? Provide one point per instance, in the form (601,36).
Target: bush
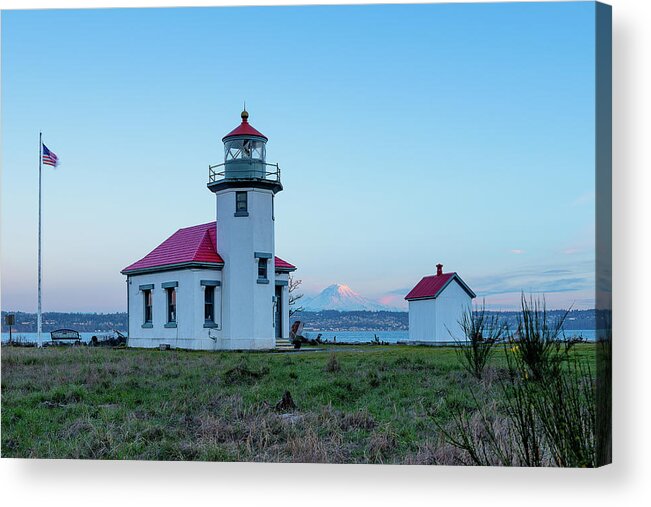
(539,342)
(482,332)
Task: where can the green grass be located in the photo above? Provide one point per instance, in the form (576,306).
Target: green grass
(379,407)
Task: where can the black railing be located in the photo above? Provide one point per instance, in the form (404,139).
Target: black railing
(215,175)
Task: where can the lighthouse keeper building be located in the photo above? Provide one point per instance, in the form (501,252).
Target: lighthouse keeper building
(218,285)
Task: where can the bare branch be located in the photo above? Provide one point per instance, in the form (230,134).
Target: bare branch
(293,298)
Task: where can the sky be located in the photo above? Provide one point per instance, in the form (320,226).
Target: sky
(407,135)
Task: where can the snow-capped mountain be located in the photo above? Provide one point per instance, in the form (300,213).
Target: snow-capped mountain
(342,298)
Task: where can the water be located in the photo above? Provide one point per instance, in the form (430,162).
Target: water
(396,336)
(45,337)
(358,336)
(342,336)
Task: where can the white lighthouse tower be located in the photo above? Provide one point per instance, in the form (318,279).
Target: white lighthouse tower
(244,187)
(218,285)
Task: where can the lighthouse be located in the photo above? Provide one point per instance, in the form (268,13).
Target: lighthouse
(218,285)
(245,186)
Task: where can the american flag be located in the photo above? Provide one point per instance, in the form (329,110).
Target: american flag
(49,157)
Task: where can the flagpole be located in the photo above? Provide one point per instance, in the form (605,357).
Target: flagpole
(39,319)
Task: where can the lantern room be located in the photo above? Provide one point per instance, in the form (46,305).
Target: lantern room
(244,159)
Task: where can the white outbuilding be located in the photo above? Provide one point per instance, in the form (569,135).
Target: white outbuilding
(218,285)
(436,305)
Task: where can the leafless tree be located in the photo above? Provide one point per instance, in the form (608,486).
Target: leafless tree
(292,286)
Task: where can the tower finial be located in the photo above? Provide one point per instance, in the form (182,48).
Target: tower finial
(245,115)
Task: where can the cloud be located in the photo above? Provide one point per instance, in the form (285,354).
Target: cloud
(394,300)
(557,272)
(517,251)
(402,291)
(537,279)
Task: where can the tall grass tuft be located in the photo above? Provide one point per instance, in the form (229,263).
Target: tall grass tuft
(333,365)
(481,333)
(539,341)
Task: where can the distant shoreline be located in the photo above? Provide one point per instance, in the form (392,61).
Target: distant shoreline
(322,321)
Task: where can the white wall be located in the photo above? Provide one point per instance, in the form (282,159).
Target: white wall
(450,306)
(437,320)
(189,332)
(422,320)
(248,305)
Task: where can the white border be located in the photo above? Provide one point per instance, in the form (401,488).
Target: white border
(627,482)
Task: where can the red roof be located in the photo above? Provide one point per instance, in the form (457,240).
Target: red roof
(431,286)
(191,245)
(281,264)
(244,129)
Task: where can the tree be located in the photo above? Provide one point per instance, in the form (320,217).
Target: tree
(292,285)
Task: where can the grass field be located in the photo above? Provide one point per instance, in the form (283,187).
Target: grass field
(374,404)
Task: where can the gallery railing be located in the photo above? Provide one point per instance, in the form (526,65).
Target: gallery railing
(253,170)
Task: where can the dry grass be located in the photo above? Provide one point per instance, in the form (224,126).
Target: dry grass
(367,405)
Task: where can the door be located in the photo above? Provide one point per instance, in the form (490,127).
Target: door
(278,317)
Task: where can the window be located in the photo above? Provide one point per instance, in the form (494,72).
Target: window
(209,304)
(262,269)
(246,149)
(171,305)
(148,305)
(241,202)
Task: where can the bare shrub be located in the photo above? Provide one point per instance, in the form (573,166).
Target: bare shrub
(539,340)
(550,422)
(294,298)
(482,332)
(438,452)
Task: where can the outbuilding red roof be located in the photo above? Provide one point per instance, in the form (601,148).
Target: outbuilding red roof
(195,245)
(244,129)
(431,286)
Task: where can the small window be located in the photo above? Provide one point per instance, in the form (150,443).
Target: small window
(262,269)
(171,304)
(241,204)
(148,305)
(209,305)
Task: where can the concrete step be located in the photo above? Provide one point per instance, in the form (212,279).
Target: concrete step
(284,344)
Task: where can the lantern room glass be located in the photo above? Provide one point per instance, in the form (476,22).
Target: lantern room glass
(244,149)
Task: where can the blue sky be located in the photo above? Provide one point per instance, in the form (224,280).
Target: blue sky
(406,135)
